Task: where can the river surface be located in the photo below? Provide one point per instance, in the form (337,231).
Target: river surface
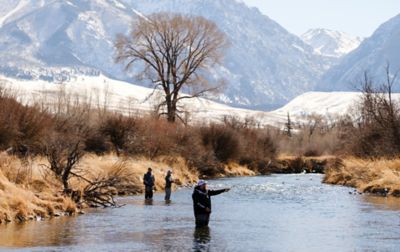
(272,213)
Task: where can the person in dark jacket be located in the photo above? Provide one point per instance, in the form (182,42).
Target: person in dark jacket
(168,185)
(148,181)
(202,202)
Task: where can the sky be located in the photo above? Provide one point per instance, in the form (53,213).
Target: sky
(356,17)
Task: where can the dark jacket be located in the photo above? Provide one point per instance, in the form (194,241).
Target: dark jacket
(168,181)
(202,200)
(148,179)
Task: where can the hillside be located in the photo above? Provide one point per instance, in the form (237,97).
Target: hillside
(265,66)
(123,97)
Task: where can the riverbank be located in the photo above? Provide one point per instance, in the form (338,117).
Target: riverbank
(379,177)
(29,191)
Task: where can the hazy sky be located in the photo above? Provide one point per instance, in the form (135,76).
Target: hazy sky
(356,17)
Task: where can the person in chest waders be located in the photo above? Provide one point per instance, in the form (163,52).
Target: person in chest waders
(168,185)
(148,181)
(202,202)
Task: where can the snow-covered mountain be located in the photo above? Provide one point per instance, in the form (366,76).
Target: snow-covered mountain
(330,43)
(56,39)
(371,56)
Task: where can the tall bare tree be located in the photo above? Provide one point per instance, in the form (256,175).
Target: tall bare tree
(174,52)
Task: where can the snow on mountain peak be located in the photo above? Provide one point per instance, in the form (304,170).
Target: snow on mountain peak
(265,66)
(331,43)
(371,56)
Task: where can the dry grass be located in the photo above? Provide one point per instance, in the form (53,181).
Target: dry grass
(24,196)
(28,190)
(234,169)
(134,169)
(375,176)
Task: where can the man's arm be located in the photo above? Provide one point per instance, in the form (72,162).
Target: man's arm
(216,192)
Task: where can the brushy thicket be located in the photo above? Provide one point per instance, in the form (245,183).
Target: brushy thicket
(38,130)
(35,130)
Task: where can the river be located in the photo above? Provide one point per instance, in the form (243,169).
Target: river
(269,213)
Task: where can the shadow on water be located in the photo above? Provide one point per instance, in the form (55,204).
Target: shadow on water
(201,239)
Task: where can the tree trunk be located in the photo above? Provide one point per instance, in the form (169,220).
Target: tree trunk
(65,182)
(171,109)
(172,114)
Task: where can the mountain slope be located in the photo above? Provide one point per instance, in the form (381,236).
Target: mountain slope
(45,35)
(55,39)
(330,43)
(372,56)
(265,64)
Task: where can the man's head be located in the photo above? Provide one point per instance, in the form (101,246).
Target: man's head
(202,184)
(149,170)
(169,172)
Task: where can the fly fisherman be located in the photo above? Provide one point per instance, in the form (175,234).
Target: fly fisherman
(168,185)
(148,181)
(202,202)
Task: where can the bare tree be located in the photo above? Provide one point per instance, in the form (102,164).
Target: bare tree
(63,157)
(379,125)
(173,51)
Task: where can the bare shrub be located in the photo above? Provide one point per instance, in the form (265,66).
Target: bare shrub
(22,127)
(378,130)
(96,143)
(63,156)
(119,130)
(155,137)
(222,141)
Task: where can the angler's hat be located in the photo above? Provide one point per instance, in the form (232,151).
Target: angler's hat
(201,182)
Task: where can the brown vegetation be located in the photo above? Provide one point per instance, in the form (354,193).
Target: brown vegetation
(66,156)
(370,176)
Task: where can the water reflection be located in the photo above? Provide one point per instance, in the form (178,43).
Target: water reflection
(388,203)
(148,202)
(53,232)
(201,239)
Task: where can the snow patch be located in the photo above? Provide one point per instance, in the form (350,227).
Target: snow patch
(21,4)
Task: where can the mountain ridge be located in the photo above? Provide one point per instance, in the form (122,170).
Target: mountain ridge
(330,43)
(371,56)
(266,66)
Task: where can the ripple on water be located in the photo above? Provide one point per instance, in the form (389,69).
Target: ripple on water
(272,213)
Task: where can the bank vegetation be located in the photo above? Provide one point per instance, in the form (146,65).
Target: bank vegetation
(62,157)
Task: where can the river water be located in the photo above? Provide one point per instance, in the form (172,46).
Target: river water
(272,213)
